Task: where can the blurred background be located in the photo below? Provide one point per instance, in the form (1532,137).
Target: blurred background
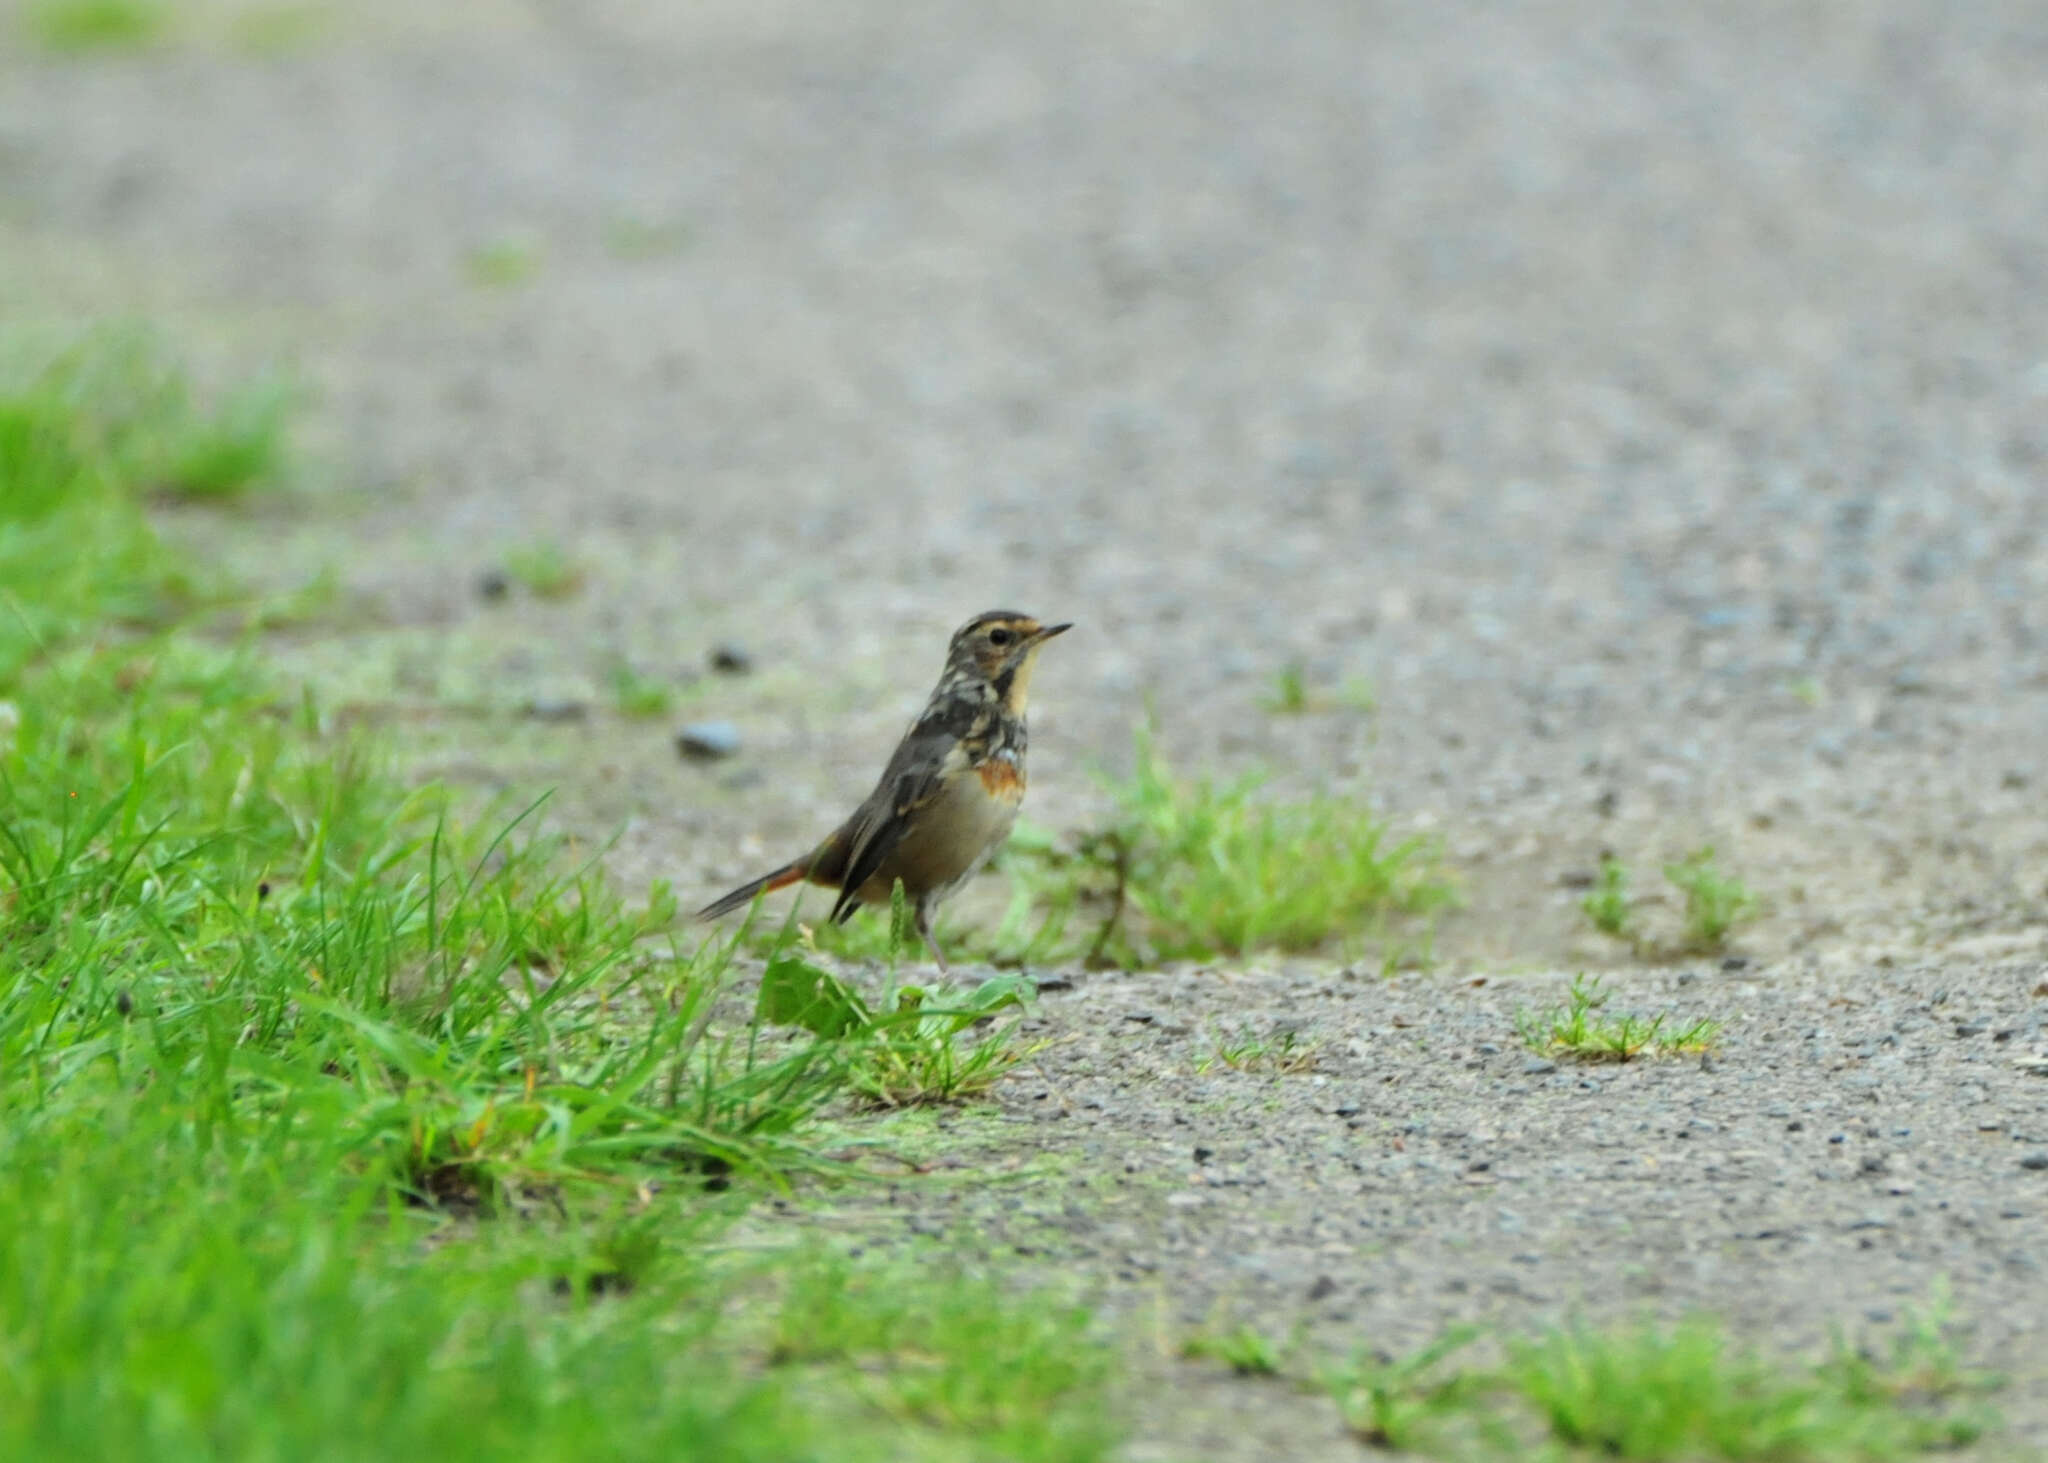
(1622,426)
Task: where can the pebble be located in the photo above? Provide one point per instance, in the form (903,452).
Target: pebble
(705,741)
(1538,1066)
(731,657)
(493,584)
(2035,1162)
(557,708)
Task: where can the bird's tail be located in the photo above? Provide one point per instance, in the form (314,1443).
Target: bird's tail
(781,878)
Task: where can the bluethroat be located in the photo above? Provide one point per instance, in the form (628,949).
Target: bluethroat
(949,795)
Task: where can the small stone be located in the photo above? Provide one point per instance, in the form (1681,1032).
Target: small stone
(1323,1289)
(731,657)
(1735,962)
(1970,1028)
(2035,1162)
(2014,779)
(493,584)
(1142,1018)
(705,741)
(557,708)
(1488,1049)
(1538,1066)
(1203,1155)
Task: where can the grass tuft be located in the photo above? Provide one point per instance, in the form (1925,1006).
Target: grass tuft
(1243,1348)
(1283,1054)
(90,430)
(1583,1028)
(1650,1393)
(1688,1392)
(1715,901)
(906,1052)
(546,570)
(638,695)
(1197,869)
(503,263)
(1607,905)
(1412,1402)
(97,25)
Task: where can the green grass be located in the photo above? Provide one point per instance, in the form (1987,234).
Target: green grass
(638,695)
(338,1121)
(907,1051)
(1716,902)
(951,1351)
(502,263)
(1607,906)
(1416,1401)
(1194,869)
(1653,1393)
(97,25)
(1244,1348)
(1282,1054)
(1585,1029)
(1289,696)
(90,428)
(545,570)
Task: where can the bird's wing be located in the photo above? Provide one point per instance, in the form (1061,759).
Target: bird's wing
(914,777)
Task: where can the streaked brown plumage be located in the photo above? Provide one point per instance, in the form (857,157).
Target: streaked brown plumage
(949,795)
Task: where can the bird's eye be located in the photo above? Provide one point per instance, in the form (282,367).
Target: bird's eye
(1000,636)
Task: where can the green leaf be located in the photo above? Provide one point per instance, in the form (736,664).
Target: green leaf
(797,993)
(999,991)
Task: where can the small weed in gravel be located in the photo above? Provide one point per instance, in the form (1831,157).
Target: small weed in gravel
(1653,1394)
(545,570)
(502,263)
(1289,696)
(1412,1402)
(1607,906)
(1715,901)
(1648,1393)
(638,695)
(1582,1028)
(1282,1054)
(1194,869)
(1243,1348)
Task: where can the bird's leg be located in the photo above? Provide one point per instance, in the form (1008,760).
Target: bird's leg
(924,927)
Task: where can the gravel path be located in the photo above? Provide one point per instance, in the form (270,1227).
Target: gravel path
(1651,403)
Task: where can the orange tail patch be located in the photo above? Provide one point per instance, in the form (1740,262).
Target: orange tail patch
(782,878)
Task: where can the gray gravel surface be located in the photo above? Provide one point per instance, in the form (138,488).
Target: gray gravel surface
(1649,402)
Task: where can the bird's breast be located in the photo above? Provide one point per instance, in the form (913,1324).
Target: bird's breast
(1002,775)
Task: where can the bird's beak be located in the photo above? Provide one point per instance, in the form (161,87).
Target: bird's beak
(1046,632)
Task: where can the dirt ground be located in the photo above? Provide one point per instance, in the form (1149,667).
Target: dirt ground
(1650,403)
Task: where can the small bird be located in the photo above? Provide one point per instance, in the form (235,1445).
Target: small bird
(949,795)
